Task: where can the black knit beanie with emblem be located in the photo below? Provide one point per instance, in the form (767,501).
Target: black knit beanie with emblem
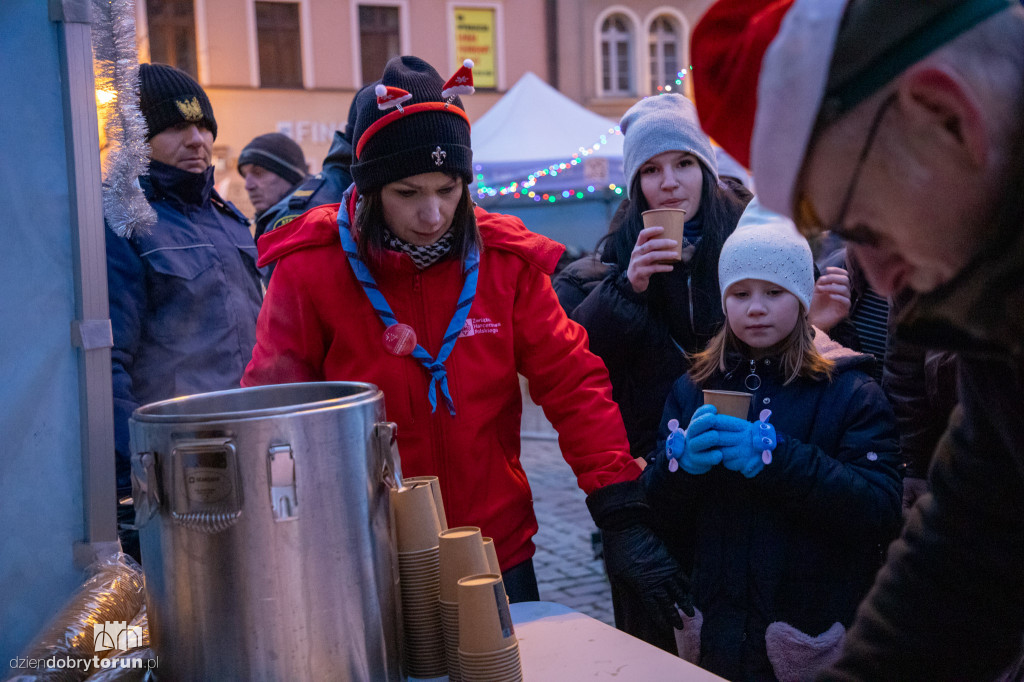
(169,96)
(420,136)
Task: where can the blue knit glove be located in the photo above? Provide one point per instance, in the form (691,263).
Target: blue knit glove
(746,446)
(692,449)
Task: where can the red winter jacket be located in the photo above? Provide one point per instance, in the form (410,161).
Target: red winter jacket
(317,325)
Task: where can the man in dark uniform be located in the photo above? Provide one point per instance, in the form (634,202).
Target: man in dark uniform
(185,294)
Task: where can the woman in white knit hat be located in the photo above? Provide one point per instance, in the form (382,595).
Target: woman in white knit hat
(794,502)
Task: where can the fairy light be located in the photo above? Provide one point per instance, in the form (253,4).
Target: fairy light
(521,189)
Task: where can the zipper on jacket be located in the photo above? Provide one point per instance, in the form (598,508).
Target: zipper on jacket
(435,423)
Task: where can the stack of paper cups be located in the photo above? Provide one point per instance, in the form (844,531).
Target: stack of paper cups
(492,556)
(461,553)
(488,648)
(435,490)
(417,528)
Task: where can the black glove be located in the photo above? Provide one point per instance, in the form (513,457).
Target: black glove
(637,556)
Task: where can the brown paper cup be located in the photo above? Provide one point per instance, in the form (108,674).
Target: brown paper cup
(672,220)
(435,490)
(485,624)
(461,553)
(416,520)
(732,403)
(492,556)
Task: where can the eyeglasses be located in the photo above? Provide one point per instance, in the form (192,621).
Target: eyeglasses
(806,218)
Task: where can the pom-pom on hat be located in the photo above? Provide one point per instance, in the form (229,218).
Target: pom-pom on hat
(426,134)
(169,96)
(767,246)
(659,124)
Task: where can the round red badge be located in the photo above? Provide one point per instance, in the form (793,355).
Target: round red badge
(399,339)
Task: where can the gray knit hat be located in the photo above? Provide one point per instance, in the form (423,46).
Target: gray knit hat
(659,124)
(278,153)
(767,246)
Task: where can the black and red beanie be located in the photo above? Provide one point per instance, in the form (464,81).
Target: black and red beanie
(169,96)
(422,133)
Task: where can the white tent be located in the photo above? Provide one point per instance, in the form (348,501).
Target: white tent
(534,127)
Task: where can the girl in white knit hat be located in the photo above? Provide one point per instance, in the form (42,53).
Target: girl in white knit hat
(794,498)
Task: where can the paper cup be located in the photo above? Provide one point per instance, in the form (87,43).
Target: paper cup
(485,624)
(450,624)
(461,553)
(435,490)
(498,666)
(492,556)
(416,519)
(672,220)
(732,403)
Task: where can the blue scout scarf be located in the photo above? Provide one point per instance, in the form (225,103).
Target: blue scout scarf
(433,366)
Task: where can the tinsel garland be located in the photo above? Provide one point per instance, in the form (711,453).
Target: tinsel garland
(117,68)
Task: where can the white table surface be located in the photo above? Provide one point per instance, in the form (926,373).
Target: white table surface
(557,644)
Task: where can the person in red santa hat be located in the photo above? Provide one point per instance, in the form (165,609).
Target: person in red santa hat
(897,126)
(442,305)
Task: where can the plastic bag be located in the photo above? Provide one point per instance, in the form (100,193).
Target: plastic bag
(97,620)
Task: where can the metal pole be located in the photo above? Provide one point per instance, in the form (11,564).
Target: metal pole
(90,331)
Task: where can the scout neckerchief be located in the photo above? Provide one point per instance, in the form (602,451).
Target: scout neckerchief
(433,366)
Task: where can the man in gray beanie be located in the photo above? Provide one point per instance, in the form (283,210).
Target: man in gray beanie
(897,126)
(272,165)
(185,294)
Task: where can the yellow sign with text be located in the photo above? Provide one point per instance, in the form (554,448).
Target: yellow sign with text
(475,39)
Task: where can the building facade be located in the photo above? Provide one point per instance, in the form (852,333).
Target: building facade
(294,66)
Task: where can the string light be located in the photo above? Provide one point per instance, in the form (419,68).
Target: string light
(522,189)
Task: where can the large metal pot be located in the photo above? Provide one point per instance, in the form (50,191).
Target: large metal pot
(265,528)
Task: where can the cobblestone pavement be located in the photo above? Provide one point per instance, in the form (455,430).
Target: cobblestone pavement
(567,572)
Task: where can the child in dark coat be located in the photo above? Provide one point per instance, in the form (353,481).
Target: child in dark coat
(793,503)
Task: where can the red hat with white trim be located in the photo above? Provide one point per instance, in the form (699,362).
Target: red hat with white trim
(802,64)
(389,97)
(461,83)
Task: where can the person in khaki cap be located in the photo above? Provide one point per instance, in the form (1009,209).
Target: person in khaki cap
(897,126)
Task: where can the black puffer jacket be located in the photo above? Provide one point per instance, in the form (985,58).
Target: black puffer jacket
(801,541)
(645,350)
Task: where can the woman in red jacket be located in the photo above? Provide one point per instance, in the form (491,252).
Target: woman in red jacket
(407,286)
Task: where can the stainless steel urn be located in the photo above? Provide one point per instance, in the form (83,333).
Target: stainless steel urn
(264,521)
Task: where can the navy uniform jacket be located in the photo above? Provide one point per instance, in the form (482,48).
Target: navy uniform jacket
(184,298)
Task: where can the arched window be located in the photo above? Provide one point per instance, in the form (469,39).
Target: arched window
(616,56)
(663,43)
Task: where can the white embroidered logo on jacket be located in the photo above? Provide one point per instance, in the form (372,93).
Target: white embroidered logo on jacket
(480,325)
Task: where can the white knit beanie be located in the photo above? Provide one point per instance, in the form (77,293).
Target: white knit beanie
(767,246)
(659,124)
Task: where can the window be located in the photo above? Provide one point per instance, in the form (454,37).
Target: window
(664,52)
(616,48)
(280,44)
(172,33)
(378,39)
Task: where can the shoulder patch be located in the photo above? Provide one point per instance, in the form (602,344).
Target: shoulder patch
(283,220)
